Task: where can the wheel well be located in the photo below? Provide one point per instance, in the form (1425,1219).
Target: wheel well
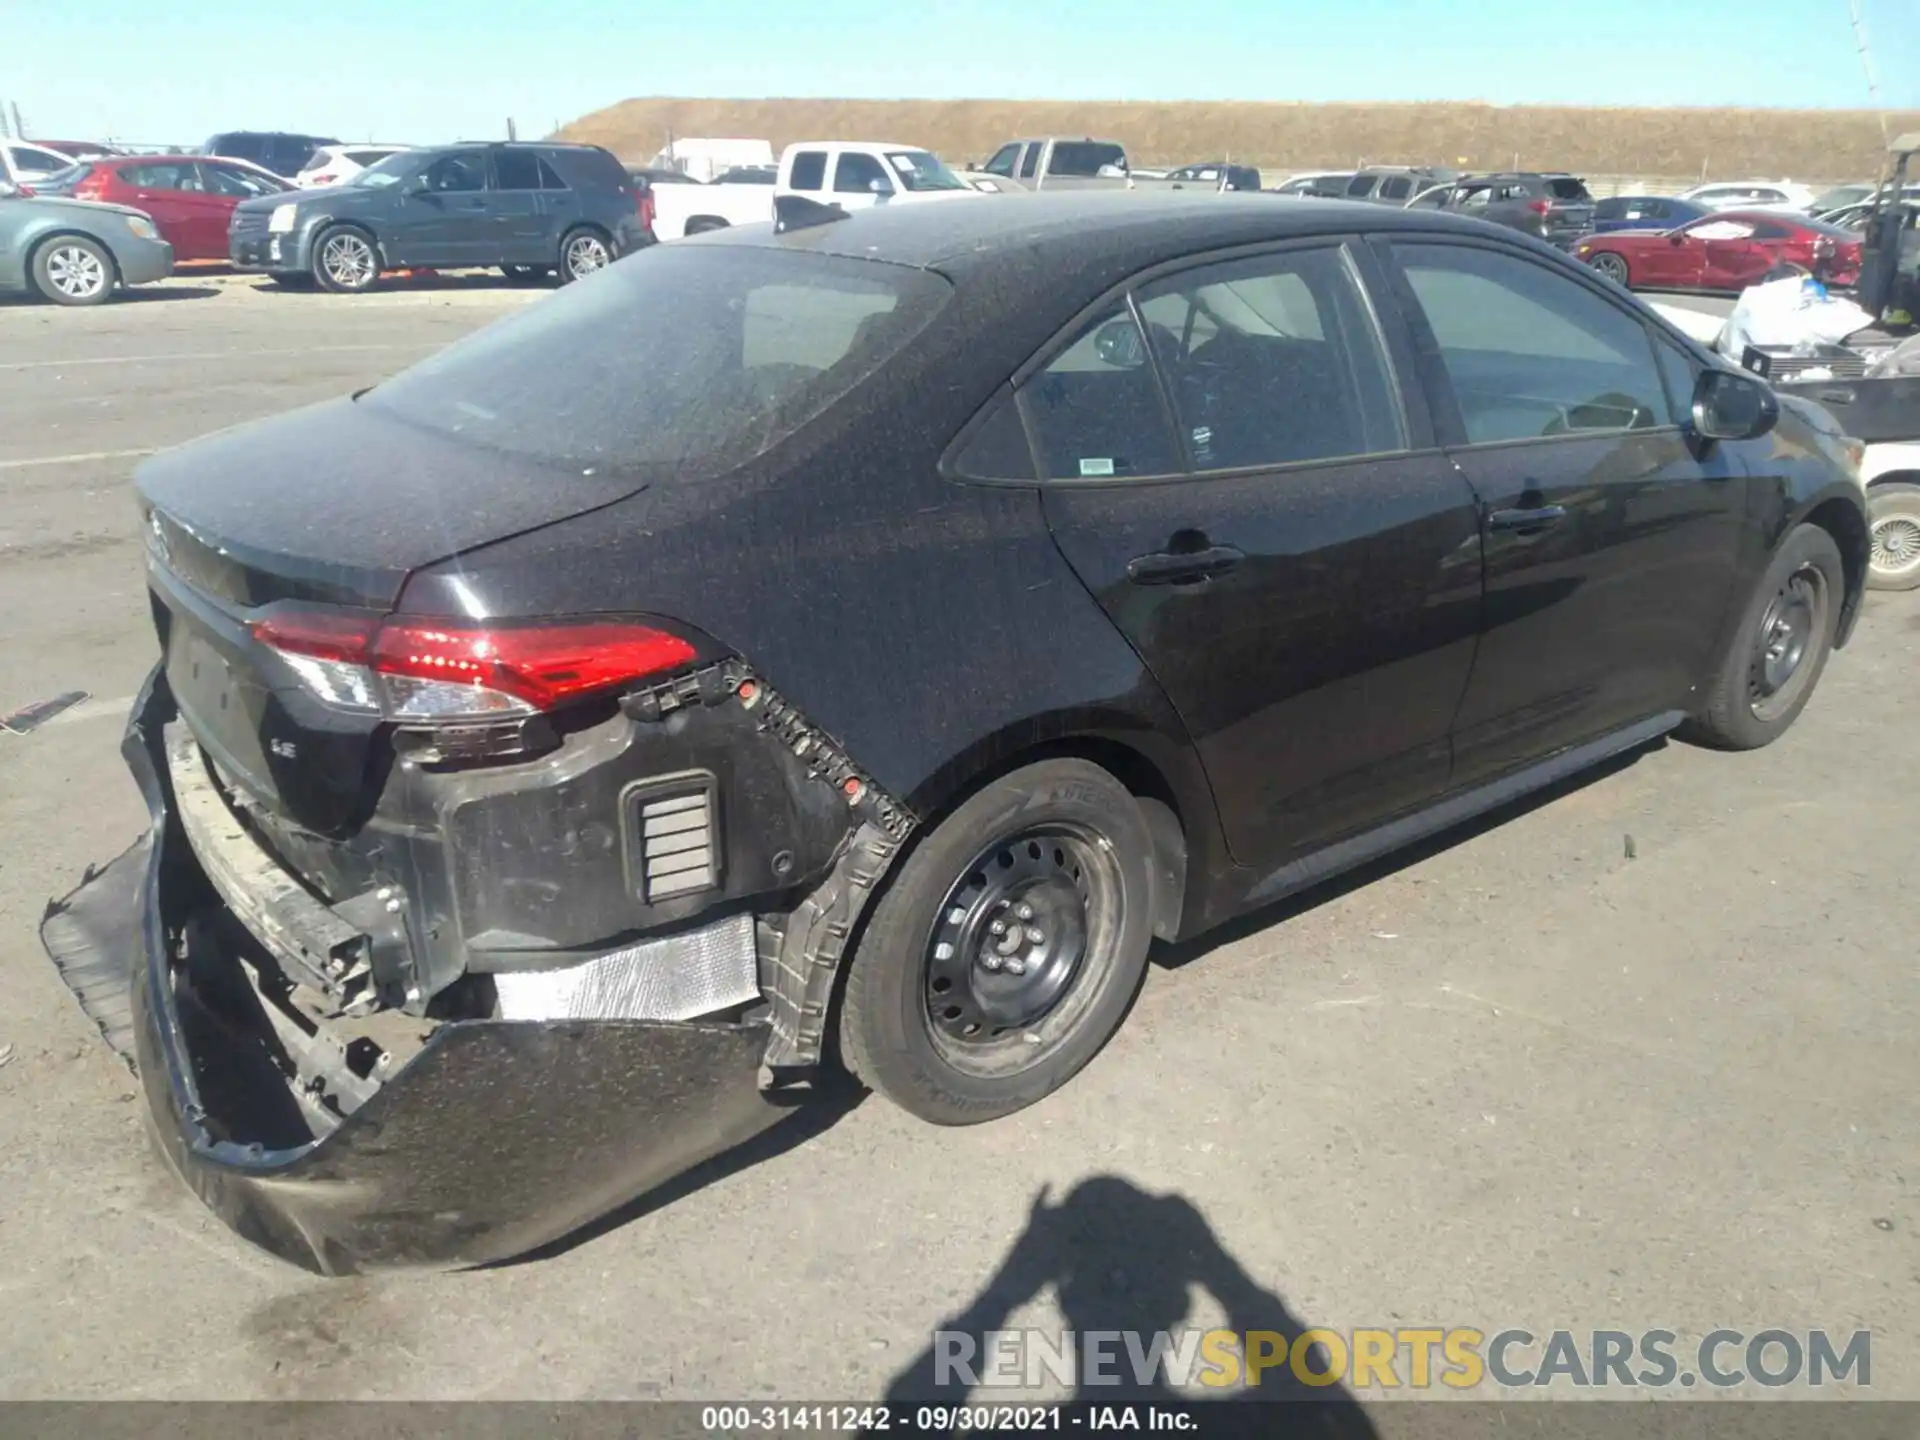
(1849,531)
(707,222)
(1895,477)
(1158,802)
(33,251)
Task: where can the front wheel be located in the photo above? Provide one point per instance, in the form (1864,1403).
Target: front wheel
(582,252)
(1613,266)
(1893,512)
(1006,949)
(345,262)
(1775,657)
(73,270)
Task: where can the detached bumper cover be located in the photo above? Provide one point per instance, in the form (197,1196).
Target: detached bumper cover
(497,1138)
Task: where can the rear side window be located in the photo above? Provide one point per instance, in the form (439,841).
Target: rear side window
(1030,162)
(809,170)
(1095,411)
(366,157)
(1083,158)
(766,340)
(550,177)
(1610,210)
(161,177)
(1272,360)
(1566,188)
(1398,187)
(516,170)
(1360,185)
(1529,353)
(998,448)
(586,168)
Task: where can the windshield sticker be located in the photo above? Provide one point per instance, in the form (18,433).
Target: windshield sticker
(1096,467)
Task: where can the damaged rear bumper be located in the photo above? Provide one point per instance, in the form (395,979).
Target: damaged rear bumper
(495,1138)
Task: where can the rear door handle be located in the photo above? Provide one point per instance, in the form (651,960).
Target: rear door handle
(1538,517)
(1183,567)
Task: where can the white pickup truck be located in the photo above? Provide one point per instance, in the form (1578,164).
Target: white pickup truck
(847,174)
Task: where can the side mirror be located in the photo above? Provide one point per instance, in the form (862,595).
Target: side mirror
(879,186)
(8,189)
(1118,344)
(1730,406)
(416,186)
(1113,172)
(1674,237)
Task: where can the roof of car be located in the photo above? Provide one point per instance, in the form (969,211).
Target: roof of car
(1133,230)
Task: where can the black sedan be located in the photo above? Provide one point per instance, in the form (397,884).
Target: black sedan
(855,642)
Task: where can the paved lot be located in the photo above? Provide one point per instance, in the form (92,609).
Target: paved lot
(1523,1079)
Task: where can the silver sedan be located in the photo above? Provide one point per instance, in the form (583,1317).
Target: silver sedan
(76,252)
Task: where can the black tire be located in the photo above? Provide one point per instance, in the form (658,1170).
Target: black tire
(74,270)
(345,260)
(1058,851)
(1893,512)
(1612,265)
(583,250)
(1776,655)
(704,224)
(527,274)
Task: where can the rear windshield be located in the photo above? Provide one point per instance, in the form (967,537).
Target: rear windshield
(764,340)
(1083,157)
(1567,188)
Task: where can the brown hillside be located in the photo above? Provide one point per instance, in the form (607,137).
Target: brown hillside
(1801,144)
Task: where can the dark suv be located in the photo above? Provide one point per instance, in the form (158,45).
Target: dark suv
(531,209)
(274,150)
(1548,206)
(1391,184)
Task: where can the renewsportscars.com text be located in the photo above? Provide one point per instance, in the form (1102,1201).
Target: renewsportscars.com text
(1403,1357)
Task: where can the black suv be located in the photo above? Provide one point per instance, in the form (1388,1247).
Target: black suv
(273,150)
(531,209)
(1549,206)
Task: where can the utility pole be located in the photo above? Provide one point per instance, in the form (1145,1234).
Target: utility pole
(5,134)
(1866,64)
(512,134)
(19,130)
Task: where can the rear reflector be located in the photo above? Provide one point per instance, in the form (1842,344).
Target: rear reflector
(417,669)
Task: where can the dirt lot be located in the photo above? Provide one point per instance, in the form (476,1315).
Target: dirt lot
(1638,1055)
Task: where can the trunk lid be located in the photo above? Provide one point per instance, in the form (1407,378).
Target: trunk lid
(334,505)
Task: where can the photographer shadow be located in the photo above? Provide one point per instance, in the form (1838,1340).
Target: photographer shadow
(1120,1259)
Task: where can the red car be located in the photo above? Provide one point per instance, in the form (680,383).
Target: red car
(190,197)
(1728,250)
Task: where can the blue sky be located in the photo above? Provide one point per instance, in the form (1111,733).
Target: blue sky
(433,70)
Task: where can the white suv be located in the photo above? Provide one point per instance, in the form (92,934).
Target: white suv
(337,164)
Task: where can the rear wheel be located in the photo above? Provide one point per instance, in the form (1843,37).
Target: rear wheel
(582,252)
(73,270)
(1006,949)
(344,260)
(1613,266)
(1775,658)
(1893,512)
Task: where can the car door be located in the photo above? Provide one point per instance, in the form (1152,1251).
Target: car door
(1611,536)
(187,217)
(1731,254)
(1260,509)
(1676,261)
(515,232)
(860,181)
(442,215)
(224,187)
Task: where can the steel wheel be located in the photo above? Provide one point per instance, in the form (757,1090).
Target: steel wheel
(1792,627)
(347,261)
(1013,937)
(1611,266)
(586,253)
(1896,549)
(75,272)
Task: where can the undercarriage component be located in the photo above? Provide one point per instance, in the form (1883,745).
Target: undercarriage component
(683,976)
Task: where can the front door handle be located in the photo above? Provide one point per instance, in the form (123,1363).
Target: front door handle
(1538,517)
(1183,567)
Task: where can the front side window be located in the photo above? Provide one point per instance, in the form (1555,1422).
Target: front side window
(1095,411)
(237,184)
(1530,353)
(161,177)
(1717,229)
(1360,185)
(1030,161)
(921,171)
(809,170)
(462,171)
(857,173)
(1273,360)
(1002,162)
(1399,187)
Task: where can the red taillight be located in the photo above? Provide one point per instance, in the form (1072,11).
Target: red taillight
(1540,207)
(420,669)
(320,180)
(91,187)
(643,203)
(25,192)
